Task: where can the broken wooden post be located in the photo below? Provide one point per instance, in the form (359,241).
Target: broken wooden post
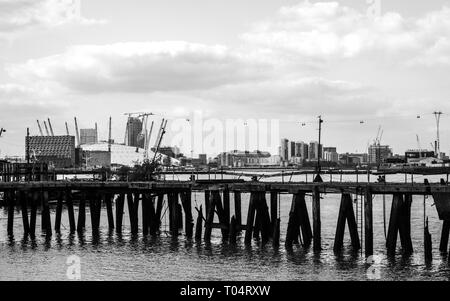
(346,214)
(317,240)
(368,223)
(199,224)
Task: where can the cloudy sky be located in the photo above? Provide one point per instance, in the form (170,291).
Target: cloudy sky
(381,62)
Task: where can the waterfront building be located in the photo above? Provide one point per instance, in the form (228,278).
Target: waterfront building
(379,153)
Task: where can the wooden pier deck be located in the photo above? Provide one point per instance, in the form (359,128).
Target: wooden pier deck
(263,220)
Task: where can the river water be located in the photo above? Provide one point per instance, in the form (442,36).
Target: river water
(113,257)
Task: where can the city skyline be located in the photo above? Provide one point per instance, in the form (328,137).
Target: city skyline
(238,63)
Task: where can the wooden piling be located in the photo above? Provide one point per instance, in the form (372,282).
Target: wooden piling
(187,207)
(81,225)
(209,218)
(273,210)
(444,236)
(346,214)
(238,209)
(120,202)
(428,243)
(276,234)
(399,222)
(69,204)
(159,206)
(250,218)
(316,220)
(109,210)
(233,230)
(133,202)
(145,214)
(293,224)
(11,204)
(368,223)
(58,215)
(24,209)
(265,223)
(34,203)
(46,221)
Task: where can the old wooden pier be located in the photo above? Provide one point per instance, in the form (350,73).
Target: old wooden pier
(262,223)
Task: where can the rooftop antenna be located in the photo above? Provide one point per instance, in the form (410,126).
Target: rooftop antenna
(40,129)
(437,116)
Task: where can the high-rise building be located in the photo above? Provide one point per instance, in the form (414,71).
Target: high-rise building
(291,150)
(379,153)
(284,149)
(301,150)
(88,136)
(330,154)
(315,150)
(134,129)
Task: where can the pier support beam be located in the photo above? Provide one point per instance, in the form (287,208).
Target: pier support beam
(187,207)
(11,204)
(46,221)
(238,210)
(34,203)
(24,209)
(109,210)
(346,214)
(400,223)
(70,212)
(199,224)
(444,236)
(298,222)
(250,217)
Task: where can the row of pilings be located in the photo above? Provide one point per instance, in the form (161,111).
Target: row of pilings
(263,221)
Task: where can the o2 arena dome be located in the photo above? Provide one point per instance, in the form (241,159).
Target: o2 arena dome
(127,155)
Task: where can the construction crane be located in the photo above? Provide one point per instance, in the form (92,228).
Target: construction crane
(77,134)
(46,128)
(161,135)
(50,126)
(147,142)
(40,129)
(67,129)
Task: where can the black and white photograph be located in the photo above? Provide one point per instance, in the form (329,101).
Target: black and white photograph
(224,146)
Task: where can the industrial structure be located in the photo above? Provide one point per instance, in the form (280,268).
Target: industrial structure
(56,151)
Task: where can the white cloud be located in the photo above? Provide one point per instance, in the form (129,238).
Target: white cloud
(20,14)
(141,67)
(329,30)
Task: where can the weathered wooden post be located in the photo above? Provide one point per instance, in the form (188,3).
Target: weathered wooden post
(11,204)
(250,218)
(199,224)
(58,215)
(159,206)
(273,210)
(187,206)
(399,222)
(238,209)
(145,214)
(317,241)
(34,202)
(233,230)
(120,202)
(46,221)
(346,213)
(69,204)
(24,209)
(427,243)
(81,225)
(109,210)
(368,223)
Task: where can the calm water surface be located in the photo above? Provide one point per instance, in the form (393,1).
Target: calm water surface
(113,257)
